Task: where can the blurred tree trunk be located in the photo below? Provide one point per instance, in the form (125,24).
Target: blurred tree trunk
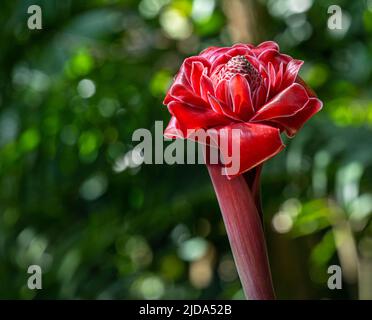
(242,20)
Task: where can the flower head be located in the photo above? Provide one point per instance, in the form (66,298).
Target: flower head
(254,89)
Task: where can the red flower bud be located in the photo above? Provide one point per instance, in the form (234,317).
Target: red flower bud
(254,89)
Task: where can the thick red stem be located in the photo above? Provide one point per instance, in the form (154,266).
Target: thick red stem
(253,178)
(244,229)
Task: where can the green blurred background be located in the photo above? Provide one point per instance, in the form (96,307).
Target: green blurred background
(101,227)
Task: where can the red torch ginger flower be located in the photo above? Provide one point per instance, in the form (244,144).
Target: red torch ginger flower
(253,89)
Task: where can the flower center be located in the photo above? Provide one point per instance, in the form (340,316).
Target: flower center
(239,65)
